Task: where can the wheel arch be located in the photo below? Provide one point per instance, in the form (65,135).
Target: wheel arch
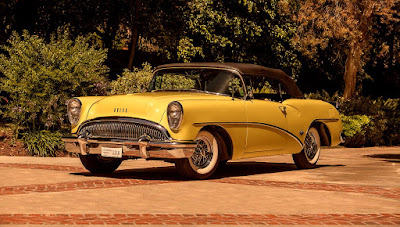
(221,132)
(323,131)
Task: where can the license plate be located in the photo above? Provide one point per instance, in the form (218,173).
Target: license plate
(111,152)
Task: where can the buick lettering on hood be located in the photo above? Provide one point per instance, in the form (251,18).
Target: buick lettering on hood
(201,115)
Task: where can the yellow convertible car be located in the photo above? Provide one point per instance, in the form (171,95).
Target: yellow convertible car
(199,116)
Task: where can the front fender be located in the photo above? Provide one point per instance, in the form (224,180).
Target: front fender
(227,114)
(87,103)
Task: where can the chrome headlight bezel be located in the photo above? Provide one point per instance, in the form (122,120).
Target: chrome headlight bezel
(74,107)
(174,115)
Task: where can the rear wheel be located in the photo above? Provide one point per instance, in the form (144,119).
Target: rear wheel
(309,156)
(98,164)
(204,161)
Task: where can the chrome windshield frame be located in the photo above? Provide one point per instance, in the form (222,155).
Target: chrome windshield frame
(237,73)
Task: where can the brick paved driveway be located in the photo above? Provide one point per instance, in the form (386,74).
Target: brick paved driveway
(350,187)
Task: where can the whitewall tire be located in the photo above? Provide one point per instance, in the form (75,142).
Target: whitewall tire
(309,156)
(204,161)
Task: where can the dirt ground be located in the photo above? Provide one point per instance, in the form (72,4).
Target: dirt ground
(11,147)
(8,147)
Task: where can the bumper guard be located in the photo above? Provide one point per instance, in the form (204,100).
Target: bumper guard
(137,149)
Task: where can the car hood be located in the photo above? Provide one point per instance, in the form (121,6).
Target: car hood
(150,105)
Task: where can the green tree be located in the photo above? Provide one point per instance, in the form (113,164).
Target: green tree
(345,25)
(157,23)
(44,17)
(384,64)
(6,18)
(161,26)
(239,31)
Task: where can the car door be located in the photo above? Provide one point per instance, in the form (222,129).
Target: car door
(266,128)
(267,119)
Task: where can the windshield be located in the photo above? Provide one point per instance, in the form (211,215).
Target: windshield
(198,80)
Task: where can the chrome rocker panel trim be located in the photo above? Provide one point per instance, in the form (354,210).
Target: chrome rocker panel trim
(134,149)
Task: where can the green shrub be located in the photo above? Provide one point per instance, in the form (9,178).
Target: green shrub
(43,143)
(355,124)
(138,80)
(38,77)
(362,105)
(132,81)
(367,121)
(325,96)
(384,114)
(362,130)
(391,107)
(175,82)
(3,101)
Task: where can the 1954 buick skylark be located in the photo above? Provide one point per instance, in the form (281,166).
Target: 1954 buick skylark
(199,116)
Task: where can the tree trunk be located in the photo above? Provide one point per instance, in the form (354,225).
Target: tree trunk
(353,62)
(135,35)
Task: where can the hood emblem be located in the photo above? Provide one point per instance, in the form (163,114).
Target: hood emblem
(120,110)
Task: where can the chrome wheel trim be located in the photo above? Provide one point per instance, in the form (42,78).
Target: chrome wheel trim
(205,156)
(312,147)
(202,155)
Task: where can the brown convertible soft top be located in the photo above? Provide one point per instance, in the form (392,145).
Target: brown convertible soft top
(246,69)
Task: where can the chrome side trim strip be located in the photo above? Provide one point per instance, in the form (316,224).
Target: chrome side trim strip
(252,123)
(327,120)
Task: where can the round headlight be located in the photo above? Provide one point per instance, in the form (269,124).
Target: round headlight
(175,115)
(74,110)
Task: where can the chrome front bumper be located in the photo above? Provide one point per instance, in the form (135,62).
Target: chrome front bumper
(136,149)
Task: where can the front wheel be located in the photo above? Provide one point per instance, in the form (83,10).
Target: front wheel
(98,164)
(309,156)
(204,161)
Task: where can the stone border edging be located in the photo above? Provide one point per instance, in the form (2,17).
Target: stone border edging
(201,219)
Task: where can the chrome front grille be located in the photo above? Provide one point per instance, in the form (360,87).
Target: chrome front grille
(122,130)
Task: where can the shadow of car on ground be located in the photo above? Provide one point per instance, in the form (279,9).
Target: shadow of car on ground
(231,169)
(386,157)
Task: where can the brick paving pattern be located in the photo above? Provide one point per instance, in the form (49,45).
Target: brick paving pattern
(114,183)
(202,219)
(79,185)
(41,166)
(191,219)
(393,193)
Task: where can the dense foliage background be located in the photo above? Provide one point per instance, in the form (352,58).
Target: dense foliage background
(343,50)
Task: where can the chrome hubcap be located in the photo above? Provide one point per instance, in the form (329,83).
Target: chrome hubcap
(202,155)
(311,146)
